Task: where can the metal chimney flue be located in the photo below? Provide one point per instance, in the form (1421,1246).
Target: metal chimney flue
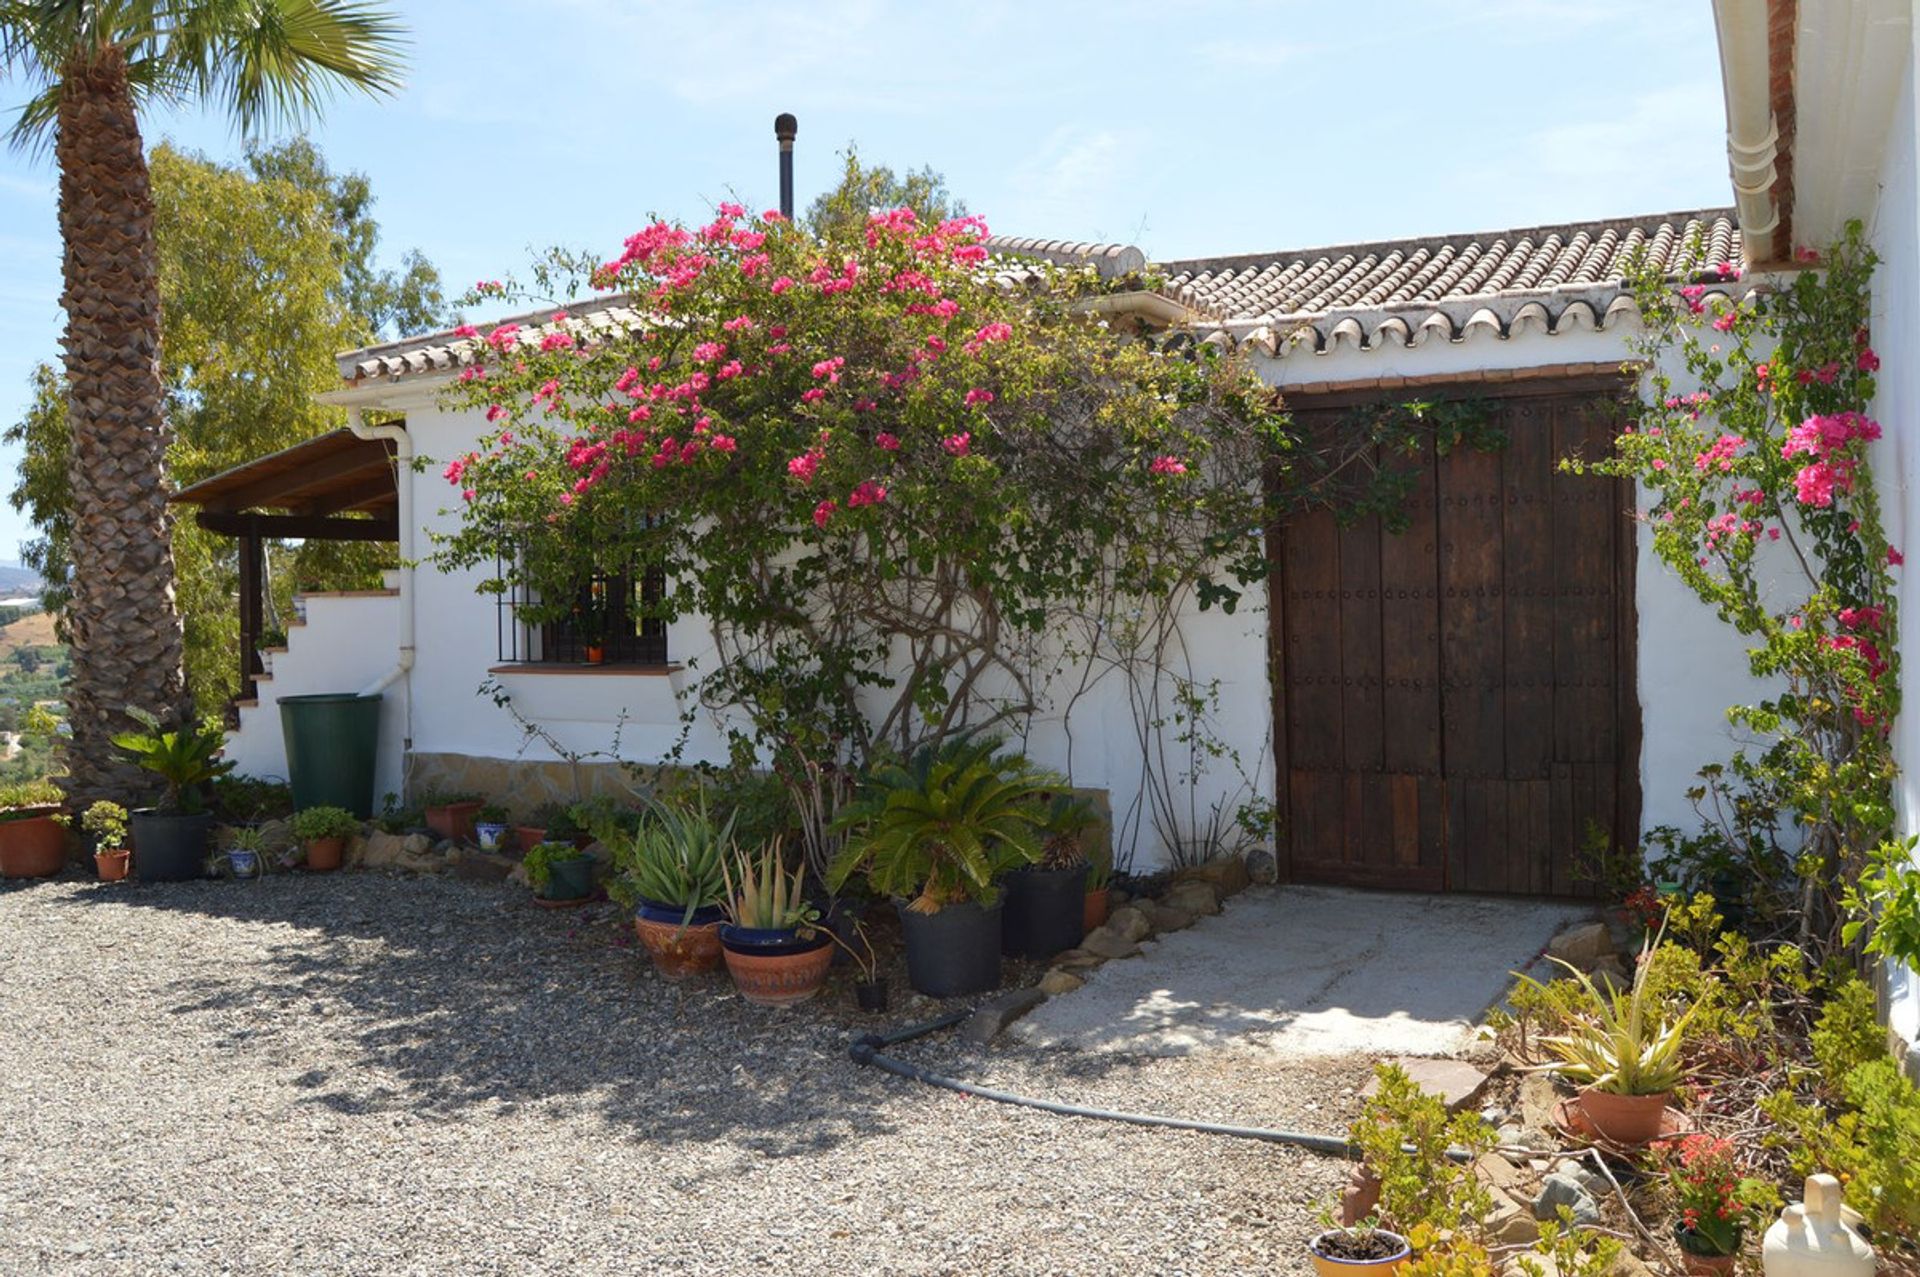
(784,129)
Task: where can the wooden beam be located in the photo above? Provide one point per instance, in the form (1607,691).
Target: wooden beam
(270,483)
(346,497)
(298,527)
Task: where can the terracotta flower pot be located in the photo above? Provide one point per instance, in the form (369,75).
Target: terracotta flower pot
(680,951)
(1624,1119)
(32,846)
(325,854)
(1096,908)
(596,655)
(779,977)
(112,864)
(1328,1266)
(1701,1265)
(527,837)
(455,820)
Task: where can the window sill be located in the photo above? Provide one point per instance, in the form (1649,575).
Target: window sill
(608,669)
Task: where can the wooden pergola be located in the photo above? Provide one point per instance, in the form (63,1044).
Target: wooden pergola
(337,487)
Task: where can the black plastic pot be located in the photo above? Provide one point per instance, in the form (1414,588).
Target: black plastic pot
(872,995)
(1046,911)
(169,847)
(953,952)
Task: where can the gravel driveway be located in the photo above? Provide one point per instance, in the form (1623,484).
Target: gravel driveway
(361,1074)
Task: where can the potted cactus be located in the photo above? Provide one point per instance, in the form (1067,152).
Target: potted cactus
(323,833)
(106,823)
(775,950)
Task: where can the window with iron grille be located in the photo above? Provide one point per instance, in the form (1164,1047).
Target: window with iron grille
(610,612)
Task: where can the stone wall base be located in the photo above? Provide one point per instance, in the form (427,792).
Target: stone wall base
(523,784)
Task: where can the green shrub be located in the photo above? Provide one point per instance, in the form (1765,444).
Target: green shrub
(324,822)
(541,859)
(1404,1134)
(107,822)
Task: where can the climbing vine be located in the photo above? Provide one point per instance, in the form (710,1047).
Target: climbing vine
(1752,452)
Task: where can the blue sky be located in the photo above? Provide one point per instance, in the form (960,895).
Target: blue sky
(1189,128)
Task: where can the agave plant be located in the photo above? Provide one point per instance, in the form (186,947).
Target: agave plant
(1623,1046)
(941,828)
(764,895)
(674,856)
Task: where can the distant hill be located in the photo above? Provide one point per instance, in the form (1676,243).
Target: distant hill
(18,582)
(31,631)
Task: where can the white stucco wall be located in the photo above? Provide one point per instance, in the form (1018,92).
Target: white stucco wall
(1895,231)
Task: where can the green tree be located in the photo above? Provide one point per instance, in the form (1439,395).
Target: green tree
(842,212)
(89,66)
(257,274)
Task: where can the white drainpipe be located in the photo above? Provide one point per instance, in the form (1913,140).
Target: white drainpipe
(1753,135)
(403,483)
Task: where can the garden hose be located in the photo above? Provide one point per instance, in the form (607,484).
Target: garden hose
(866,1050)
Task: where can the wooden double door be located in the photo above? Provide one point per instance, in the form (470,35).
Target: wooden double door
(1455,705)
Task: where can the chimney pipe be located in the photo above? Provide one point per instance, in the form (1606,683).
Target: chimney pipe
(784,128)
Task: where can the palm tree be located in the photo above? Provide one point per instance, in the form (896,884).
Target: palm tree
(91,64)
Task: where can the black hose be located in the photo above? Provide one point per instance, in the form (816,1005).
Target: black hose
(866,1051)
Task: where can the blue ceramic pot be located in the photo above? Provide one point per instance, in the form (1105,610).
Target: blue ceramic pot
(653,911)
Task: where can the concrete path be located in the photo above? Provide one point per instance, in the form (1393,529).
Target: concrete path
(1309,971)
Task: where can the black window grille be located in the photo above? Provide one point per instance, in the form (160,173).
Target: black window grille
(614,608)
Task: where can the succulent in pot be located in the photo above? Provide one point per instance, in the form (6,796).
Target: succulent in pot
(323,833)
(106,823)
(670,865)
(33,830)
(559,871)
(775,950)
(1623,1054)
(490,825)
(246,847)
(1358,1249)
(170,841)
(938,833)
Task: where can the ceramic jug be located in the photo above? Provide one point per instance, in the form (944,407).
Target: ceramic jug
(1814,1238)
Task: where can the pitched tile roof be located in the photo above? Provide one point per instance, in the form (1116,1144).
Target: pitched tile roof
(1551,279)
(1449,286)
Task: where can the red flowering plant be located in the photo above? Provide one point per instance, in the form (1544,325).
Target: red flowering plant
(1751,452)
(1713,1202)
(874,464)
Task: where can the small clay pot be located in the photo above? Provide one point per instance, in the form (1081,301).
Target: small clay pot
(33,846)
(1097,906)
(1360,1196)
(779,976)
(454,820)
(1328,1266)
(527,837)
(678,950)
(1630,1120)
(326,854)
(1699,1265)
(596,655)
(112,864)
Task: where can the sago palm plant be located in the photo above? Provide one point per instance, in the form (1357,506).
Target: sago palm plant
(944,826)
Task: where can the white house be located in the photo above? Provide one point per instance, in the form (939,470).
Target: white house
(1454,708)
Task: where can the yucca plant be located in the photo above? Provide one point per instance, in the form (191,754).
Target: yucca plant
(675,856)
(764,895)
(943,827)
(1623,1045)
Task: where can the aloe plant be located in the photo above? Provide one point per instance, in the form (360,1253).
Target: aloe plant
(943,827)
(675,856)
(763,894)
(1623,1046)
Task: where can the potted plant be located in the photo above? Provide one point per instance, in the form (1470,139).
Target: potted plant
(670,868)
(170,841)
(1714,1203)
(490,826)
(107,823)
(937,833)
(870,990)
(775,950)
(1623,1055)
(323,833)
(1358,1250)
(33,832)
(1046,902)
(559,871)
(245,847)
(451,815)
(1099,901)
(591,621)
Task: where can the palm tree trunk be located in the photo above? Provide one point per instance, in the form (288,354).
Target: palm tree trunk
(124,626)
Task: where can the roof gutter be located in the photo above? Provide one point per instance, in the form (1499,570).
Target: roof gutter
(1753,134)
(403,485)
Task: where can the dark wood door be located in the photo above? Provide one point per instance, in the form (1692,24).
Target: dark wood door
(1454,705)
